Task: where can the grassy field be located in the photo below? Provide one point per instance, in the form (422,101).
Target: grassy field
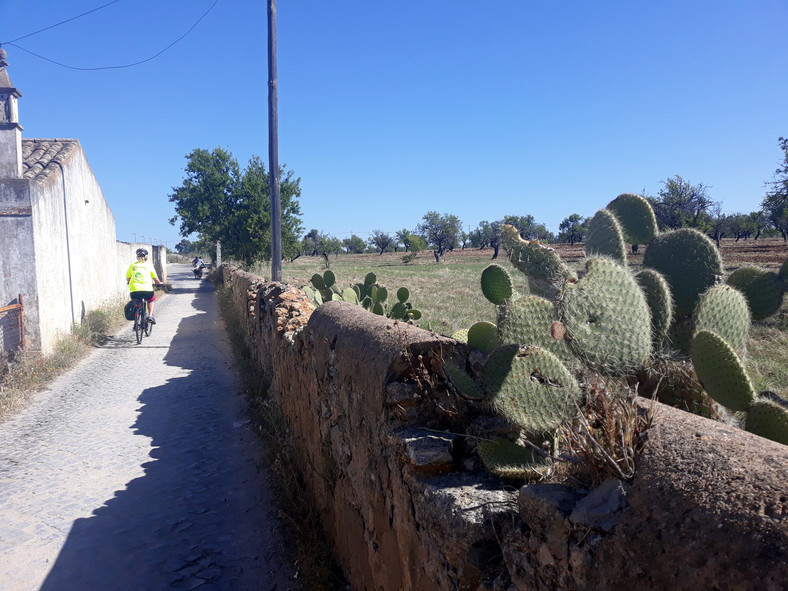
(449,295)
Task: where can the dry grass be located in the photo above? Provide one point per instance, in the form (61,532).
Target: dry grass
(24,373)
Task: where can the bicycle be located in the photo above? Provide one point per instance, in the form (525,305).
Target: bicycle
(142,325)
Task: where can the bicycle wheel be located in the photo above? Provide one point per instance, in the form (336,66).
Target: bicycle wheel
(139,320)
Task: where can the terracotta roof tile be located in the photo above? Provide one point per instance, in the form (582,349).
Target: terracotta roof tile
(39,156)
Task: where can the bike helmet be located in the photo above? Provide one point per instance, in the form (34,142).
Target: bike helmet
(141,252)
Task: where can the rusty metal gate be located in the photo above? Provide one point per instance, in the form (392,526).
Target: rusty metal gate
(12,326)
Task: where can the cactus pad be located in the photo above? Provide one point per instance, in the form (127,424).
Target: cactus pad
(496,284)
(721,371)
(463,383)
(530,387)
(660,303)
(461,335)
(528,321)
(636,217)
(724,310)
(540,263)
(509,460)
(605,237)
(768,418)
(763,289)
(607,319)
(783,273)
(482,335)
(690,262)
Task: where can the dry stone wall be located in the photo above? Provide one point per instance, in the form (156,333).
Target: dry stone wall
(386,456)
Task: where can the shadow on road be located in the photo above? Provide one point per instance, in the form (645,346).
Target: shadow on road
(198,518)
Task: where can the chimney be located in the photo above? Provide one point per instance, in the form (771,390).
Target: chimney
(10,130)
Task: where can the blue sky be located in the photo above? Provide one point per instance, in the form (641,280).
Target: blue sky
(391,109)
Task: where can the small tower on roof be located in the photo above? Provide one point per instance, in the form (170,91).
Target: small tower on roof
(10,130)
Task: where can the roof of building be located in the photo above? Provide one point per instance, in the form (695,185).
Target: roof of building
(40,155)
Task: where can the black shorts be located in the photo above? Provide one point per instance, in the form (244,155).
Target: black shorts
(148,296)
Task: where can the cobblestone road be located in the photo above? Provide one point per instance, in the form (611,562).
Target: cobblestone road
(138,469)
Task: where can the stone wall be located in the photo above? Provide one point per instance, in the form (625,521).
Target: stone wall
(388,461)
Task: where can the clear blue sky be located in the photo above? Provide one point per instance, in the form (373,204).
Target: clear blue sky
(390,109)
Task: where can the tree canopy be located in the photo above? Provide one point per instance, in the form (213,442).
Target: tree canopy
(775,204)
(440,231)
(220,202)
(680,204)
(572,228)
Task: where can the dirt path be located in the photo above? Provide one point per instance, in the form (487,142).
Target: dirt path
(138,469)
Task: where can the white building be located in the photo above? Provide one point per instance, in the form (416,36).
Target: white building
(58,246)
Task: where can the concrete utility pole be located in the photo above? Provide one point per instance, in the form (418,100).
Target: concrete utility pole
(273,149)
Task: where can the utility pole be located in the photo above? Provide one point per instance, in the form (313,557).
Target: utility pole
(273,149)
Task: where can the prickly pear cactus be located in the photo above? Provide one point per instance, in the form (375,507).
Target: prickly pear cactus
(530,387)
(763,289)
(636,217)
(783,273)
(541,264)
(605,237)
(461,335)
(528,321)
(607,319)
(660,303)
(723,310)
(483,336)
(496,284)
(721,371)
(768,417)
(464,383)
(509,460)
(690,262)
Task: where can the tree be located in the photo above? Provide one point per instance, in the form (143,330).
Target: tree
(680,204)
(382,241)
(417,243)
(404,237)
(717,223)
(354,244)
(440,231)
(184,247)
(220,202)
(310,244)
(572,228)
(775,204)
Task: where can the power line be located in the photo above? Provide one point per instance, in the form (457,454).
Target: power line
(73,18)
(117,67)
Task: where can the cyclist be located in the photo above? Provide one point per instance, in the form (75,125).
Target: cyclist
(199,265)
(140,277)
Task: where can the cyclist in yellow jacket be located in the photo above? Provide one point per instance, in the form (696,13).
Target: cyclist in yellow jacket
(140,277)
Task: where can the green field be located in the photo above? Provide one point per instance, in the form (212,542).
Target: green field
(449,295)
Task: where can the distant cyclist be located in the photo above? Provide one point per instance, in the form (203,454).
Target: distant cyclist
(199,265)
(141,276)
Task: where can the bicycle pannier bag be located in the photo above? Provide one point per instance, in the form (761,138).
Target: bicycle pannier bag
(128,310)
